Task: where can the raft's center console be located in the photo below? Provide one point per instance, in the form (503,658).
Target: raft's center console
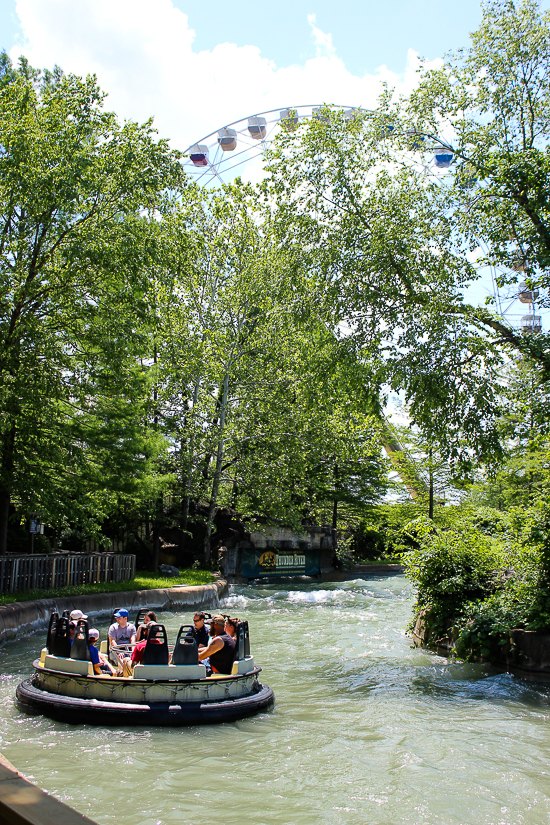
(62,665)
(180,672)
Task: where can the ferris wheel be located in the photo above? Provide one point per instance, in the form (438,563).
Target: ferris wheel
(218,157)
(226,152)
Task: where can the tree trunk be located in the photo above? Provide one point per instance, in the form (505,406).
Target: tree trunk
(4,515)
(431,483)
(157,524)
(156,545)
(5,491)
(335,509)
(217,471)
(187,481)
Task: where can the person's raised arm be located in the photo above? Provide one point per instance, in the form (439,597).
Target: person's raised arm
(215,645)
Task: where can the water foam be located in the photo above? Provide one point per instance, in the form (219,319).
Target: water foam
(235,601)
(315,596)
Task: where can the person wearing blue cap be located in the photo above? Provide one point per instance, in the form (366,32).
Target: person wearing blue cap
(122,631)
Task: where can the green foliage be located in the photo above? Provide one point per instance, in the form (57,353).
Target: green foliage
(485,626)
(78,229)
(367,544)
(495,98)
(450,569)
(268,410)
(476,585)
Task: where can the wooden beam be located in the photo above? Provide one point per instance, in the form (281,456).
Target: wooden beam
(22,803)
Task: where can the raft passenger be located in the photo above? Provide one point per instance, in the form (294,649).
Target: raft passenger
(221,650)
(149,617)
(199,631)
(122,632)
(231,625)
(100,663)
(137,653)
(74,618)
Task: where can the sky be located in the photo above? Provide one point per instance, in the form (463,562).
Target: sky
(196,67)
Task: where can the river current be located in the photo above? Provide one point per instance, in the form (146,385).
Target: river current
(366,730)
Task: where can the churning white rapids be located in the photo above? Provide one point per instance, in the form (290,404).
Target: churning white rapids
(366,730)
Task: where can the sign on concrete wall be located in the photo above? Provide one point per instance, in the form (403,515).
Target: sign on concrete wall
(266,562)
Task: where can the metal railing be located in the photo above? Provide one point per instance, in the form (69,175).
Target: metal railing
(52,571)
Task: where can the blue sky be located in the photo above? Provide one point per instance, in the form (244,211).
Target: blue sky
(365,34)
(197,66)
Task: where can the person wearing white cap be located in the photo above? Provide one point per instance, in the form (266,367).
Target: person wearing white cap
(99,660)
(76,615)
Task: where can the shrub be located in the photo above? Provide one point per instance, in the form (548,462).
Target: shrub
(450,569)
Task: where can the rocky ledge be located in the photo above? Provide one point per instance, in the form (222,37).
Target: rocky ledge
(527,654)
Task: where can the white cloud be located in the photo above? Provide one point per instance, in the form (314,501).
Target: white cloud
(142,53)
(323,42)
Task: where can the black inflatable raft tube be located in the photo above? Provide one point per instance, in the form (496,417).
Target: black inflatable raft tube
(96,712)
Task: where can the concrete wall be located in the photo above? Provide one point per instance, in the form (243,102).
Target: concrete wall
(273,536)
(20,618)
(281,540)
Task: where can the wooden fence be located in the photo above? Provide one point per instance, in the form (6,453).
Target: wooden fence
(45,572)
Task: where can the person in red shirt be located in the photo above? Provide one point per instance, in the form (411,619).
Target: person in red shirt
(137,653)
(139,649)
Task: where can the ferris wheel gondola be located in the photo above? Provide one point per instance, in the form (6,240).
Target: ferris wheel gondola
(221,155)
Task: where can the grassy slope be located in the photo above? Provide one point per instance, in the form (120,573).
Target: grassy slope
(144,580)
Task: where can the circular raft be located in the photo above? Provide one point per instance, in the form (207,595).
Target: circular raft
(97,712)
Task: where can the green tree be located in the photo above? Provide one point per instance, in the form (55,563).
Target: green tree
(250,380)
(389,271)
(494,97)
(79,198)
(390,244)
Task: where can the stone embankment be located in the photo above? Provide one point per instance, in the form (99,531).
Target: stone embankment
(21,618)
(528,653)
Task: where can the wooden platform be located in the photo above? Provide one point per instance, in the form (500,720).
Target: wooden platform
(22,803)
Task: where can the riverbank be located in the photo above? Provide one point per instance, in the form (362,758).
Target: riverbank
(20,618)
(527,654)
(360,571)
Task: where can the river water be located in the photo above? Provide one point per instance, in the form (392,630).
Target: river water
(366,730)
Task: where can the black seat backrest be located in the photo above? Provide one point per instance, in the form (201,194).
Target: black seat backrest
(242,648)
(239,647)
(62,639)
(186,651)
(66,614)
(156,649)
(142,612)
(80,648)
(51,631)
(113,621)
(246,640)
